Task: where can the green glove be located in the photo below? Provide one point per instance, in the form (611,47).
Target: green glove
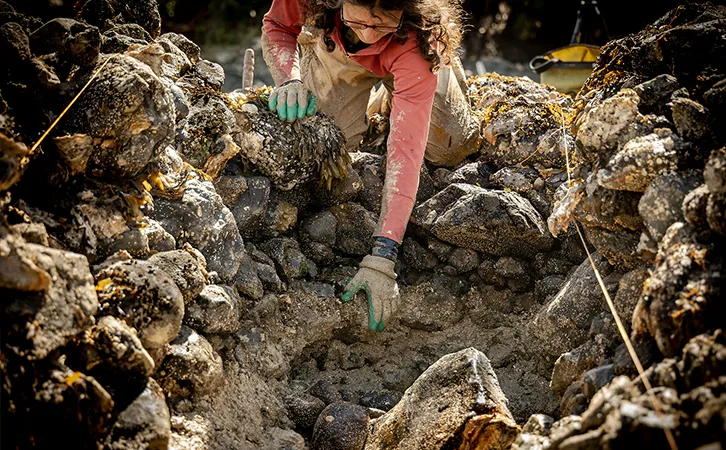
(292,100)
(378,280)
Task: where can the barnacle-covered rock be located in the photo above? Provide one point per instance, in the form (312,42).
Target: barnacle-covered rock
(689,390)
(476,173)
(611,221)
(186,267)
(217,309)
(192,367)
(21,64)
(162,57)
(494,222)
(715,171)
(73,42)
(600,125)
(200,218)
(523,121)
(694,207)
(111,352)
(189,48)
(690,119)
(614,210)
(70,404)
(661,204)
(682,296)
(111,347)
(715,176)
(666,47)
(48,296)
(12,152)
(144,424)
(289,153)
(103,226)
(141,12)
(114,42)
(144,297)
(209,120)
(456,400)
(519,180)
(133,30)
(133,118)
(641,160)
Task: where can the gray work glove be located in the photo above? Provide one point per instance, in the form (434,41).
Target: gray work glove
(292,100)
(377,278)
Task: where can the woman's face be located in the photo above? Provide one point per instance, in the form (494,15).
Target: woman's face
(370,26)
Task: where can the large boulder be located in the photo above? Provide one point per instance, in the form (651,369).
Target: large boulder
(133,121)
(144,424)
(522,120)
(455,402)
(144,297)
(563,323)
(112,353)
(341,426)
(494,222)
(681,298)
(217,309)
(186,267)
(48,296)
(201,219)
(192,367)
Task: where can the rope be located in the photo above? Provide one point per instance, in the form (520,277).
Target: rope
(55,122)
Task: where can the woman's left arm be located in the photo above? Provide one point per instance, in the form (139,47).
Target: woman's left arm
(413,96)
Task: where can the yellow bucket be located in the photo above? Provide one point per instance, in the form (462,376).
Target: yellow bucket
(566,68)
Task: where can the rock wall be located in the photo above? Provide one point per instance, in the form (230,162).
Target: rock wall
(171,257)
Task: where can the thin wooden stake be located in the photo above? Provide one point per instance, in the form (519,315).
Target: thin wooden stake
(248,69)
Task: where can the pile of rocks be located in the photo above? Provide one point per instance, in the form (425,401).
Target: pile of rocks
(170,281)
(648,191)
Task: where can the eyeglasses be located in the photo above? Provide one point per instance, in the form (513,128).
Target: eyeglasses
(377,28)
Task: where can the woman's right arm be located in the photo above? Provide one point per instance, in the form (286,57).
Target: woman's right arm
(280,28)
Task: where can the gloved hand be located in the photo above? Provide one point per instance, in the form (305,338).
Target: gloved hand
(292,100)
(377,278)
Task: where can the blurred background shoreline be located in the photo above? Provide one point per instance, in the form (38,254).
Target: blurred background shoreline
(501,35)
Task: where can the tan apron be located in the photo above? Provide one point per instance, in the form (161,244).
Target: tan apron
(346,91)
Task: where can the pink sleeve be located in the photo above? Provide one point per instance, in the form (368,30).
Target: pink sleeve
(281,26)
(413,97)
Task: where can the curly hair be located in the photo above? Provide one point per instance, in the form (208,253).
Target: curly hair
(438,24)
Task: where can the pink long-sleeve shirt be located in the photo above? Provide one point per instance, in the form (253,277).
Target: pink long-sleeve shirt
(413,95)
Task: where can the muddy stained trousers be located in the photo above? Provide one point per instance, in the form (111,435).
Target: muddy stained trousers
(346,91)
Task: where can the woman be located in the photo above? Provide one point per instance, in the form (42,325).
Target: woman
(330,53)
